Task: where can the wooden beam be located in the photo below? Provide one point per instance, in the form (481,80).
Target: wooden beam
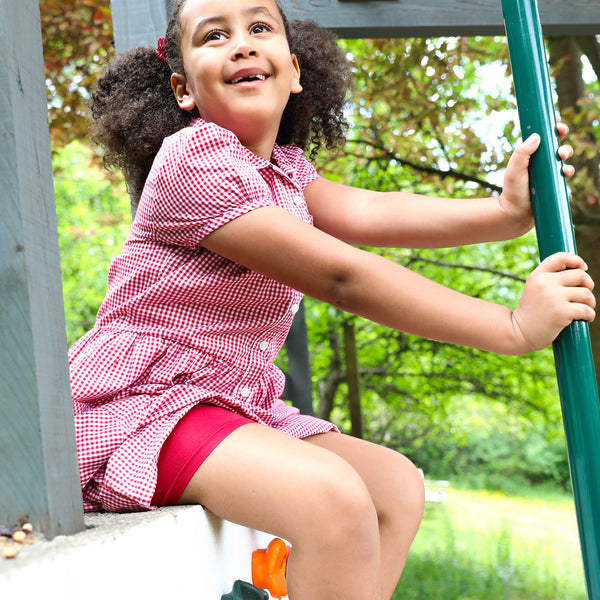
(435,18)
(138,22)
(38,467)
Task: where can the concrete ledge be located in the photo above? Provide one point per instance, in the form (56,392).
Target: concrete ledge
(159,554)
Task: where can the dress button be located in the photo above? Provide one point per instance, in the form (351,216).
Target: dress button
(263,345)
(294,308)
(244,392)
(298,200)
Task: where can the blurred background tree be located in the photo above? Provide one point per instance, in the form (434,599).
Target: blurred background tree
(78,41)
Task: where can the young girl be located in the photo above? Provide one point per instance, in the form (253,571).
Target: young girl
(175,393)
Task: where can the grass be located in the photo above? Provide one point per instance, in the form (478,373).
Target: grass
(480,544)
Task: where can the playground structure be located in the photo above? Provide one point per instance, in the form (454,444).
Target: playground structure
(39,475)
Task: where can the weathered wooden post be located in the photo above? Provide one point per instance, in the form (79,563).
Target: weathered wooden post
(38,469)
(138,22)
(572,349)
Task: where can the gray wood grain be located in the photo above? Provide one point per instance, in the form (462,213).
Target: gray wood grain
(138,22)
(38,469)
(434,18)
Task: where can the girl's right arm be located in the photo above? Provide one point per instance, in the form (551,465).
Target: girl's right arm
(273,242)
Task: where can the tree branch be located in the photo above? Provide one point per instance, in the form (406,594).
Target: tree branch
(386,153)
(442,263)
(589,45)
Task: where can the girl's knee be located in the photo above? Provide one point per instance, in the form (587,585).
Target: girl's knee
(342,508)
(406,491)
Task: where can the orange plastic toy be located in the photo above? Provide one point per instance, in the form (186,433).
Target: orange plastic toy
(269,567)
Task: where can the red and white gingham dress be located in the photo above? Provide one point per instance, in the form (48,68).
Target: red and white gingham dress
(181,325)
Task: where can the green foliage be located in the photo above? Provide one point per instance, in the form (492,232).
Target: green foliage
(77,39)
(481,545)
(93,220)
(491,447)
(419,104)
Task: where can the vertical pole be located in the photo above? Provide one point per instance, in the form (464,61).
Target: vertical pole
(38,463)
(298,382)
(572,349)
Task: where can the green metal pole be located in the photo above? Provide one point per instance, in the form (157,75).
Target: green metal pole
(572,349)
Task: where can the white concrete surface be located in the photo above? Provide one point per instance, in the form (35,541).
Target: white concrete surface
(173,552)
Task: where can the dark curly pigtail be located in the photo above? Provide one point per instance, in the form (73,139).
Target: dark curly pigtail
(315,117)
(134,109)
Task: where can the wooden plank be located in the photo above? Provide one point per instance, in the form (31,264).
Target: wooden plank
(298,382)
(38,468)
(138,22)
(434,18)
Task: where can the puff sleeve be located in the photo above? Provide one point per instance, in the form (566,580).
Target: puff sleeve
(202,178)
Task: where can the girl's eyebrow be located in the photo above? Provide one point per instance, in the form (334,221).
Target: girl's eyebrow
(209,21)
(256,10)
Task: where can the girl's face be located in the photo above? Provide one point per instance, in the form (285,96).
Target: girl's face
(239,69)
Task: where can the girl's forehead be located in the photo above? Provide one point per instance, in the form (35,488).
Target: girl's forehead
(216,8)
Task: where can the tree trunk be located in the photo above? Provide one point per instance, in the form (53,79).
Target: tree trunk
(329,386)
(588,245)
(565,59)
(352,377)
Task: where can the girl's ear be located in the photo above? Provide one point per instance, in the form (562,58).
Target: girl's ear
(182,93)
(296,87)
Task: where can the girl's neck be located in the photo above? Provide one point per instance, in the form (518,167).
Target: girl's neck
(259,142)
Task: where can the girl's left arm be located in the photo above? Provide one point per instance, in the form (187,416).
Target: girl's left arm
(399,219)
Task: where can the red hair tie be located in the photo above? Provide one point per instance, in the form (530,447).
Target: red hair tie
(161,50)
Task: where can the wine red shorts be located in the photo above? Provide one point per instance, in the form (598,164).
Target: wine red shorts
(193,439)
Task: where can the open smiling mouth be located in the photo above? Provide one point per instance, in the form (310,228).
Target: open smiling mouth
(248,78)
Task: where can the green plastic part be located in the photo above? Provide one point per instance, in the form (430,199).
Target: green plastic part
(572,349)
(245,591)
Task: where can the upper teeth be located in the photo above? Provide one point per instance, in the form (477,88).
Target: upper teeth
(259,77)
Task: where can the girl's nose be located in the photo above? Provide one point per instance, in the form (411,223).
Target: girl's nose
(243,47)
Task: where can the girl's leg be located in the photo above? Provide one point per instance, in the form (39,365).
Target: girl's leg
(306,494)
(397,490)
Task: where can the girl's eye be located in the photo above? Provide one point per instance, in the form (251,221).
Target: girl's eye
(260,28)
(214,35)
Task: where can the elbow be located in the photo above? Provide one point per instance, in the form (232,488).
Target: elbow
(337,292)
(343,279)
(343,288)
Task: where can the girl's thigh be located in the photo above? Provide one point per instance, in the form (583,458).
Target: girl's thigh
(262,478)
(390,477)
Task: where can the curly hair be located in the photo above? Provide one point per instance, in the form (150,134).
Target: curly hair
(133,107)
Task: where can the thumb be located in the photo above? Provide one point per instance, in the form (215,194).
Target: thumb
(527,147)
(519,160)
